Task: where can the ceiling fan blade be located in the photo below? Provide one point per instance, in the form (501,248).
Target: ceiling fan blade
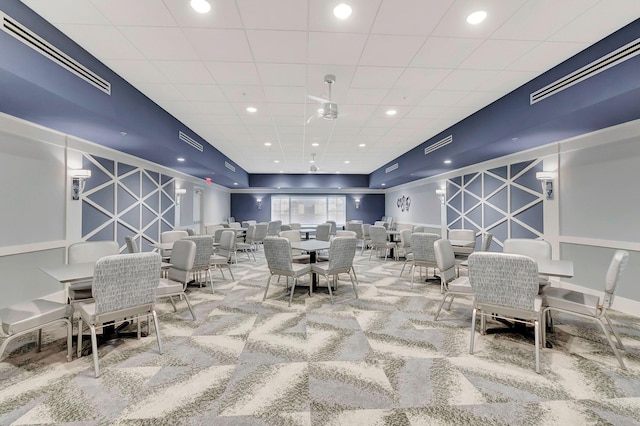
(318,99)
(310,119)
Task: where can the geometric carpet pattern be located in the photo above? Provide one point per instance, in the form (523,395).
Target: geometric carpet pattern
(377,360)
(121,200)
(506,201)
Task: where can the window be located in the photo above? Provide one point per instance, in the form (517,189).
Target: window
(309,210)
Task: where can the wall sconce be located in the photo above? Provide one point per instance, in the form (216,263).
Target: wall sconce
(179,194)
(357,200)
(78,177)
(546,179)
(259,201)
(441,194)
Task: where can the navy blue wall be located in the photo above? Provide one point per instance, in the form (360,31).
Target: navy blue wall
(288,181)
(244,206)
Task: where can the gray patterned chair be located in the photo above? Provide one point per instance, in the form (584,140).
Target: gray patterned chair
(259,234)
(34,315)
(84,252)
(171,237)
(341,254)
(296,255)
(357,228)
(487,238)
(366,237)
(505,286)
(423,254)
(334,227)
(273,227)
(132,247)
(453,285)
(588,306)
(246,246)
(227,248)
(182,260)
(124,286)
(405,246)
(202,261)
(379,241)
(277,250)
(323,232)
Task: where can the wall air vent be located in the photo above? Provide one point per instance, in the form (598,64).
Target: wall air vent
(438,145)
(22,33)
(391,168)
(184,138)
(229,166)
(614,58)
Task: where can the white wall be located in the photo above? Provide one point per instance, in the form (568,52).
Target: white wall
(425,208)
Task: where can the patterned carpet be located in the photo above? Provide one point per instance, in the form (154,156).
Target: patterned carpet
(378,360)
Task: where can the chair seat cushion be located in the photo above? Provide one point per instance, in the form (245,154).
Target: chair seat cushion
(34,313)
(301,268)
(216,259)
(570,300)
(302,258)
(460,285)
(168,287)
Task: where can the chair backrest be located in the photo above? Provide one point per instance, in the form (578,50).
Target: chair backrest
(227,243)
(445,259)
(191,231)
(378,234)
(346,234)
(402,226)
(323,232)
(504,280)
(91,251)
(248,236)
(132,247)
(486,241)
(334,227)
(405,237)
(366,233)
(295,226)
(125,281)
(342,252)
(355,227)
(261,232)
(231,219)
(535,249)
(285,228)
(277,250)
(204,250)
(462,234)
(218,234)
(419,228)
(381,223)
(235,225)
(211,229)
(422,246)
(292,236)
(616,268)
(172,236)
(274,227)
(183,255)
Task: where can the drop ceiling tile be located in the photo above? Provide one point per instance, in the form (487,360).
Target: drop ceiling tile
(390,50)
(224,14)
(282,74)
(201,92)
(246,95)
(404,96)
(506,81)
(366,96)
(274,14)
(102,40)
(278,46)
(418,17)
(375,77)
(497,54)
(478,99)
(68,11)
(212,120)
(184,72)
(427,111)
(137,13)
(454,23)
(315,77)
(355,112)
(437,98)
(160,43)
(335,48)
(219,44)
(234,73)
(136,71)
(421,78)
(285,94)
(545,56)
(190,107)
(465,79)
(443,52)
(321,16)
(161,92)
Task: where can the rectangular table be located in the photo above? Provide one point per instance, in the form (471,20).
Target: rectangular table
(306,232)
(551,267)
(311,246)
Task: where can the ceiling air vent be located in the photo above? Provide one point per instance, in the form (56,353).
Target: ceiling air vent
(229,166)
(438,145)
(614,58)
(184,138)
(391,168)
(22,33)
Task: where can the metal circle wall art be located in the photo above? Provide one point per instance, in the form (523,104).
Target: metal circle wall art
(404,203)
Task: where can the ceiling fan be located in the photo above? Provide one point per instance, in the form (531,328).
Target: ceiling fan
(329,110)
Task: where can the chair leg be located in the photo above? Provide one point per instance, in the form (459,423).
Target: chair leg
(39,340)
(413,271)
(353,283)
(79,344)
(293,287)
(329,286)
(613,330)
(444,299)
(157,326)
(473,330)
(186,299)
(267,289)
(613,346)
(536,330)
(210,276)
(231,272)
(139,329)
(173,304)
(69,340)
(94,349)
(354,275)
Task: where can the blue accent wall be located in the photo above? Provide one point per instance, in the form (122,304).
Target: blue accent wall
(310,181)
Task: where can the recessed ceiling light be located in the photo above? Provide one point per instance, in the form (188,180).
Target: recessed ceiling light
(251,109)
(476,17)
(200,6)
(181,159)
(362,145)
(337,172)
(312,161)
(235,183)
(315,144)
(339,187)
(123,133)
(447,161)
(267,144)
(514,139)
(276,161)
(277,187)
(342,11)
(392,112)
(383,184)
(346,161)
(281,171)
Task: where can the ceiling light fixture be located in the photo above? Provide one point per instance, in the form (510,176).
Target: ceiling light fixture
(276,161)
(200,6)
(267,144)
(346,161)
(315,144)
(447,161)
(181,159)
(383,184)
(476,17)
(392,112)
(251,109)
(342,11)
(362,145)
(235,183)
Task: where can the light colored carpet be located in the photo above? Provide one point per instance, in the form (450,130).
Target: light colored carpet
(377,360)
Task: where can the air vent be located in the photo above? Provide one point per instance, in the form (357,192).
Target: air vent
(184,138)
(438,145)
(20,32)
(391,168)
(229,166)
(614,58)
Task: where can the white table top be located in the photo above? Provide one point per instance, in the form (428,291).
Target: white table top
(78,271)
(311,245)
(169,246)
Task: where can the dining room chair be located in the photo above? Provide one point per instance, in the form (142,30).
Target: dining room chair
(211,229)
(170,237)
(132,247)
(341,253)
(183,257)
(273,228)
(357,228)
(420,228)
(277,251)
(297,255)
(285,228)
(295,225)
(247,246)
(223,254)
(366,237)
(379,241)
(202,261)
(31,316)
(487,238)
(259,234)
(588,306)
(323,232)
(341,233)
(124,286)
(218,233)
(423,254)
(468,235)
(334,227)
(505,286)
(83,252)
(453,284)
(405,245)
(535,249)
